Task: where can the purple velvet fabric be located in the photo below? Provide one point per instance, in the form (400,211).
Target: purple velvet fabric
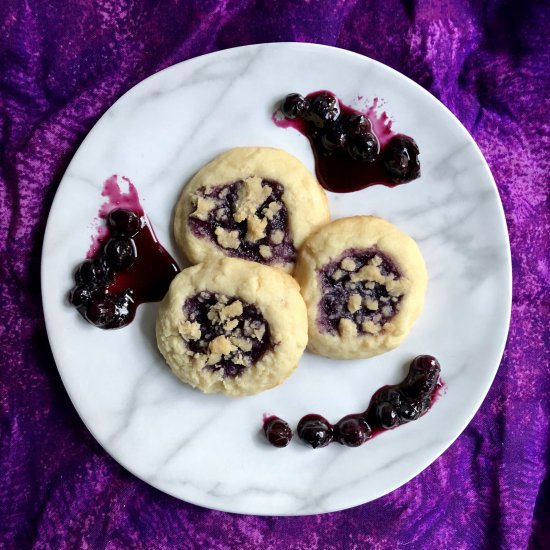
(64,62)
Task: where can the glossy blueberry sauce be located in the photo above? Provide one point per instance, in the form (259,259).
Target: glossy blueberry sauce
(336,170)
(390,406)
(109,297)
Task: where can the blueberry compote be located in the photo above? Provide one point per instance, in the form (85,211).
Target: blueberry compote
(231,334)
(315,430)
(248,219)
(352,149)
(389,407)
(126,265)
(361,286)
(392,406)
(277,431)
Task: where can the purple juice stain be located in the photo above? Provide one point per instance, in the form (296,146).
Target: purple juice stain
(337,288)
(353,149)
(225,197)
(116,200)
(126,264)
(197,309)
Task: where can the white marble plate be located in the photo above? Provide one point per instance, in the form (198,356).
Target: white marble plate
(208,449)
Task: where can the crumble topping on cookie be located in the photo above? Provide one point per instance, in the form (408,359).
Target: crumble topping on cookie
(220,345)
(265,251)
(191,331)
(361,293)
(255,228)
(250,196)
(371,326)
(272,210)
(247,219)
(234,309)
(354,303)
(347,328)
(277,236)
(203,208)
(227,239)
(224,333)
(347,264)
(371,304)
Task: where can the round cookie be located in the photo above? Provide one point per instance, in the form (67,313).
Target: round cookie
(232,326)
(253,203)
(364,283)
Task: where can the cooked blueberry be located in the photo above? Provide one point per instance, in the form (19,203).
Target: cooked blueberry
(352,430)
(119,253)
(425,364)
(410,410)
(278,432)
(123,314)
(333,138)
(91,272)
(101,270)
(99,293)
(124,222)
(294,106)
(363,147)
(85,273)
(120,319)
(401,159)
(100,313)
(80,295)
(323,108)
(387,415)
(423,376)
(315,431)
(357,124)
(390,395)
(426,403)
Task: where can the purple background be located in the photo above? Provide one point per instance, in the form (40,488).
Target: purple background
(64,62)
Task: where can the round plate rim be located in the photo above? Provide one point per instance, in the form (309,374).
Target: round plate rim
(502,339)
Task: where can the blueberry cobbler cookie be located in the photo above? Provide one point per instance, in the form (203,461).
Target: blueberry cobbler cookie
(253,203)
(232,326)
(364,282)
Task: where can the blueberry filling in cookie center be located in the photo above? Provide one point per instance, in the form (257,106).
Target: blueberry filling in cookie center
(247,219)
(225,331)
(361,292)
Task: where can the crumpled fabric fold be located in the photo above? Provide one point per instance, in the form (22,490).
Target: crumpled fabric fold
(63,63)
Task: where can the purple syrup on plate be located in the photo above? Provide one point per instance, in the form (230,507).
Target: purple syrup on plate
(125,266)
(389,407)
(352,149)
